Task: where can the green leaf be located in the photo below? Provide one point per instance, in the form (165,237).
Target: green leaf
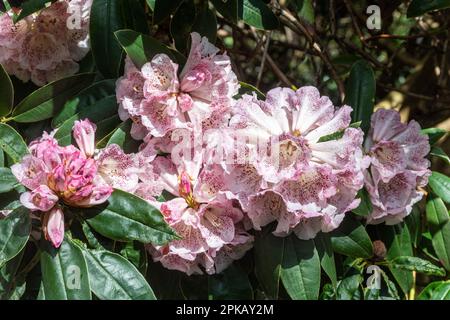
(365,206)
(122,137)
(305,10)
(228,9)
(28,7)
(206,24)
(349,288)
(104,115)
(12,143)
(6,93)
(135,16)
(181,25)
(7,180)
(268,259)
(14,233)
(300,270)
(64,272)
(106,18)
(135,252)
(248,88)
(163,9)
(416,264)
(339,134)
(325,249)
(113,277)
(439,290)
(46,101)
(231,284)
(85,99)
(440,184)
(351,239)
(8,281)
(420,7)
(434,134)
(141,48)
(414,223)
(438,152)
(398,243)
(151,4)
(256,13)
(360,93)
(126,217)
(439,222)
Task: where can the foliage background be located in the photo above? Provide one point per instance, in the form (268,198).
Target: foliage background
(404,65)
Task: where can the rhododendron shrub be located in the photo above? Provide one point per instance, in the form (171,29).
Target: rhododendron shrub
(156,158)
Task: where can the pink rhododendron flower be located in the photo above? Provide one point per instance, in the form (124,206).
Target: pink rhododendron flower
(46,45)
(304,183)
(159,100)
(61,174)
(398,166)
(209,224)
(53,226)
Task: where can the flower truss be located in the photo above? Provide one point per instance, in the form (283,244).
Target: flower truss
(46,45)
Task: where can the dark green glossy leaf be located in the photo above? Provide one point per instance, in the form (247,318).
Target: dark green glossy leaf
(8,281)
(113,277)
(181,25)
(300,271)
(141,48)
(7,180)
(64,272)
(228,9)
(122,137)
(398,243)
(268,259)
(6,93)
(45,102)
(206,24)
(14,233)
(256,13)
(326,255)
(420,7)
(30,6)
(360,93)
(416,264)
(104,115)
(440,184)
(163,9)
(351,239)
(434,134)
(365,206)
(438,152)
(231,284)
(135,252)
(349,288)
(439,290)
(126,217)
(86,98)
(439,222)
(106,18)
(12,143)
(305,10)
(414,223)
(339,134)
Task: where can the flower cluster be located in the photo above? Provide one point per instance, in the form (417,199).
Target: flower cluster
(46,46)
(240,164)
(398,166)
(57,175)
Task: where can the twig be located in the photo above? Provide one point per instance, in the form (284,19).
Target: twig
(278,72)
(263,60)
(406,93)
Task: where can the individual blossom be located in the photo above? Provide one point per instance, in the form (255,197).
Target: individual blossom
(302,163)
(57,175)
(46,45)
(209,224)
(398,166)
(158,99)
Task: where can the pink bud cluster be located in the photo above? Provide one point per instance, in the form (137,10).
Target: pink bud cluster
(57,175)
(46,45)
